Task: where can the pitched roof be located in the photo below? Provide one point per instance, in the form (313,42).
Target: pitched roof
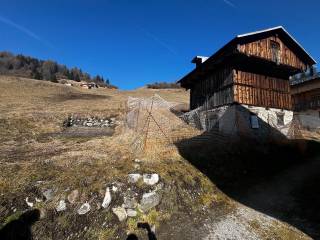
(284,33)
(247,37)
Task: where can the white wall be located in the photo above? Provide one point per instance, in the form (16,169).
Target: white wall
(270,116)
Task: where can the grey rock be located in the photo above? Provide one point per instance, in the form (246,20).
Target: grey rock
(131,212)
(62,206)
(120,212)
(149,200)
(129,202)
(73,196)
(136,166)
(107,199)
(30,204)
(84,209)
(48,194)
(42,213)
(134,177)
(159,186)
(150,179)
(114,188)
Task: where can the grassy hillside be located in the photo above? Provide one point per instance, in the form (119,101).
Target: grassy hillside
(37,155)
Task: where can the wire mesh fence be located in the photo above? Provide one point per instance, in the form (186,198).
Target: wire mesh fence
(153,123)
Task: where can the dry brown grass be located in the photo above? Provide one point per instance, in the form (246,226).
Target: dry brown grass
(31,111)
(31,108)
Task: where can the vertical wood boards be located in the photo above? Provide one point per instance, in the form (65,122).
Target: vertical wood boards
(260,90)
(261,48)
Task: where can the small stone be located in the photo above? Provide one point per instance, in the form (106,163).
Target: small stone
(131,212)
(129,202)
(134,177)
(120,212)
(136,166)
(48,194)
(150,179)
(42,213)
(107,199)
(159,186)
(38,199)
(153,229)
(73,196)
(114,188)
(30,204)
(137,160)
(84,209)
(149,200)
(61,206)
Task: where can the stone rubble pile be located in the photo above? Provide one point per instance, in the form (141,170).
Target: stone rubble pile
(91,122)
(140,193)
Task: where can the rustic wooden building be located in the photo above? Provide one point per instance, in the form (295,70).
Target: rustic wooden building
(251,72)
(306,101)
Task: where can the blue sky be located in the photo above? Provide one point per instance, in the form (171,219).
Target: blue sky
(137,42)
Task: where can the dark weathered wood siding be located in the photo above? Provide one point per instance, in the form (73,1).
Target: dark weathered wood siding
(214,90)
(306,100)
(262,48)
(260,90)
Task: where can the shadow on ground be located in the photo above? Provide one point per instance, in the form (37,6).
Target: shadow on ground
(278,179)
(77,96)
(20,229)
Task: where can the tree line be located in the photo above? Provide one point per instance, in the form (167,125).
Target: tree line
(29,67)
(163,85)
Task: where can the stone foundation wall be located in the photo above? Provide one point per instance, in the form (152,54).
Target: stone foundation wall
(236,120)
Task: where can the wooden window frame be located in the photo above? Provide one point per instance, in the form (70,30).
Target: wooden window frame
(275,51)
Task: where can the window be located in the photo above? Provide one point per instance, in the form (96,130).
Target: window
(254,121)
(280,119)
(275,51)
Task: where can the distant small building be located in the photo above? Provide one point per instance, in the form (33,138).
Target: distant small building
(89,85)
(305,94)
